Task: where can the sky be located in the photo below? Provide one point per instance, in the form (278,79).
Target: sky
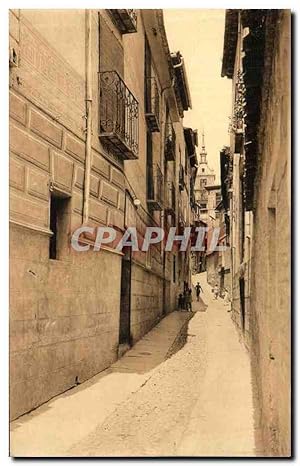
(198,35)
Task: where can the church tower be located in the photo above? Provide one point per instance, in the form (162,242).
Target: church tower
(203,153)
(205,178)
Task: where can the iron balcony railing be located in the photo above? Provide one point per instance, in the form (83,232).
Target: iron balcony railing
(171,198)
(119,113)
(170,143)
(155,187)
(152,104)
(126,20)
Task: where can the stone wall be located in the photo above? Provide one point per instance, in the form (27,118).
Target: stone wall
(63,328)
(270,324)
(64,313)
(146,301)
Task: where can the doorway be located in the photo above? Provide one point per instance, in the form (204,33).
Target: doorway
(124,329)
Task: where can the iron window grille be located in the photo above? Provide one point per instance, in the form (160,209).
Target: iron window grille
(119,113)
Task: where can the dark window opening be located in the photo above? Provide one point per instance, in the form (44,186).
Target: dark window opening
(58,225)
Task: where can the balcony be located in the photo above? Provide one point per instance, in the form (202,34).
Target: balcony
(170,204)
(155,188)
(119,113)
(126,20)
(170,143)
(152,105)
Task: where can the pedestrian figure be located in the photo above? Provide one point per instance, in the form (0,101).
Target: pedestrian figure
(185,299)
(216,291)
(226,295)
(198,288)
(189,299)
(181,302)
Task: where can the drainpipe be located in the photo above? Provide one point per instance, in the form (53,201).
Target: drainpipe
(88,103)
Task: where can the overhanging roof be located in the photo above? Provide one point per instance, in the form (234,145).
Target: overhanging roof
(230,42)
(181,80)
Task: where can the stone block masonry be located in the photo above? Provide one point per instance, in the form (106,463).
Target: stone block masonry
(270,319)
(63,327)
(65,305)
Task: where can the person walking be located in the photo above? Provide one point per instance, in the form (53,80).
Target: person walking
(189,299)
(198,289)
(185,298)
(181,304)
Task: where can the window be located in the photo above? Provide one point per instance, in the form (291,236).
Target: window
(152,103)
(58,225)
(203,170)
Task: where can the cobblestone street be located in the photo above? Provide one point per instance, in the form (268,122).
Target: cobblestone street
(198,402)
(149,285)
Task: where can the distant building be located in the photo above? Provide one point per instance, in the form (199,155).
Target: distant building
(205,177)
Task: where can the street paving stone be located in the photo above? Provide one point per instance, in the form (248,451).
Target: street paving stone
(198,402)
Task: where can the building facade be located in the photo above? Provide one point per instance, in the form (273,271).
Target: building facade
(257,59)
(205,177)
(96,138)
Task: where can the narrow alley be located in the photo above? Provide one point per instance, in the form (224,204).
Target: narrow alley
(149,164)
(194,402)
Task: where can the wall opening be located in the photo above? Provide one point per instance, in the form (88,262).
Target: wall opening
(59,225)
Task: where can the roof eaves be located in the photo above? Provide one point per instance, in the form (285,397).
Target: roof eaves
(230,42)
